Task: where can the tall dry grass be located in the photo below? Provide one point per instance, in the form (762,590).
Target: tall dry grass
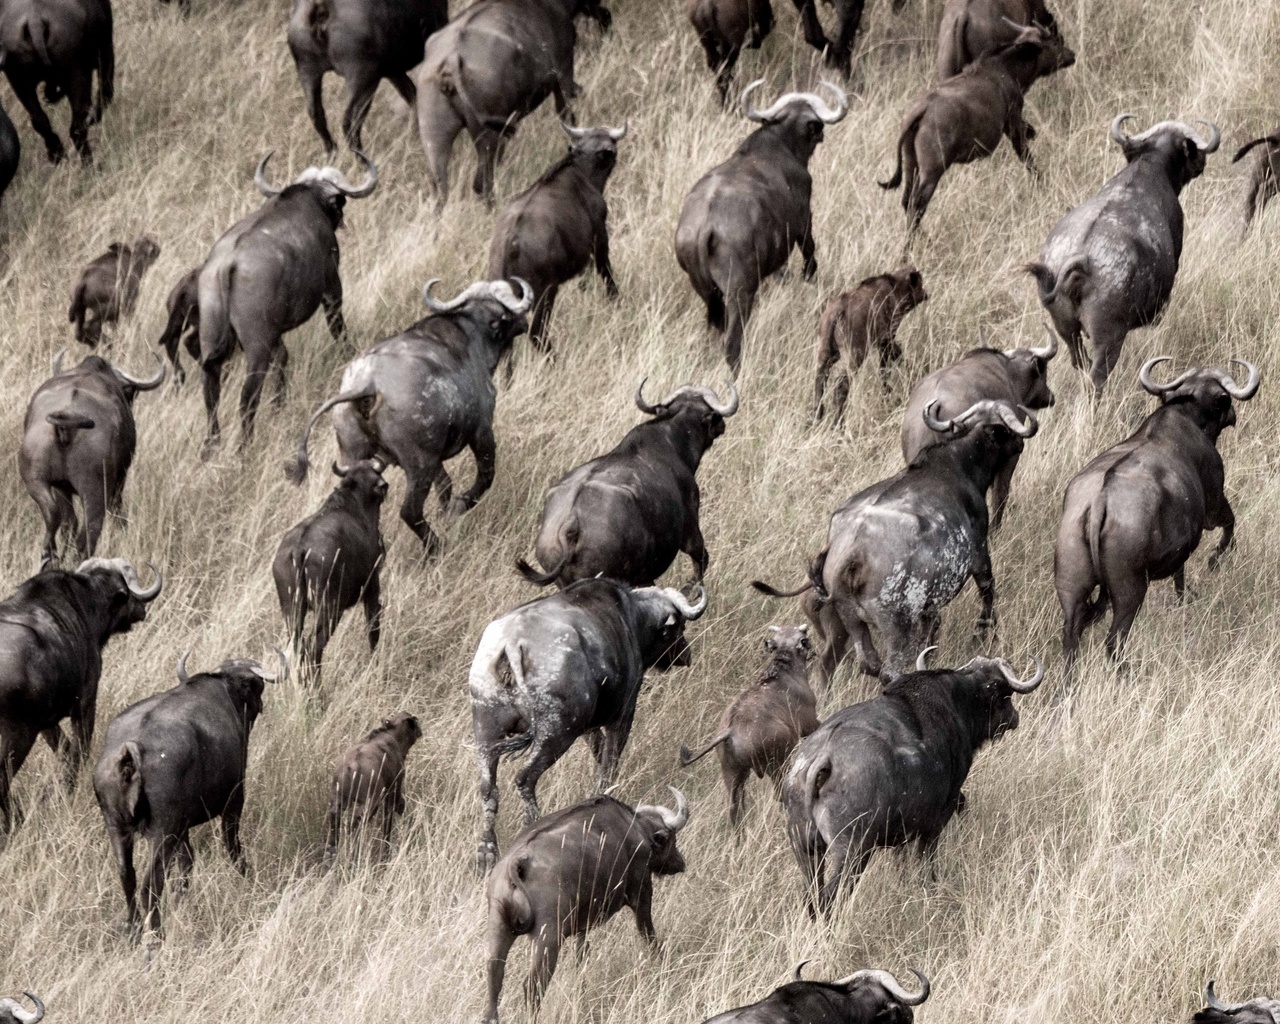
(1111,859)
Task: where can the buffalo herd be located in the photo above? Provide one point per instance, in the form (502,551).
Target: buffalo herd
(888,771)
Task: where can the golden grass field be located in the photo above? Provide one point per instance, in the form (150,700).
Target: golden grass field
(1114,855)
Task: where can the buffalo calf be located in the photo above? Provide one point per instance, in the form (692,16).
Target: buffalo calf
(369,780)
(972,29)
(107,288)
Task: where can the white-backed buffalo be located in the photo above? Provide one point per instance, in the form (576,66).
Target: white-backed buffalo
(1262,181)
(108,287)
(10,151)
(741,220)
(973,29)
(53,629)
(550,232)
(487,70)
(864,997)
(172,762)
(13,1012)
(627,514)
(330,560)
(369,781)
(183,325)
(839,51)
(724,27)
(762,725)
(62,43)
(78,440)
(419,398)
(898,552)
(567,665)
(1108,266)
(571,872)
(857,322)
(1255,1011)
(1137,511)
(1017,376)
(963,118)
(364,41)
(889,771)
(268,275)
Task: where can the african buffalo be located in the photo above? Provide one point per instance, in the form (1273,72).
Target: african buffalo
(898,552)
(183,305)
(330,560)
(53,629)
(571,872)
(78,439)
(627,514)
(567,665)
(1109,264)
(10,151)
(1018,376)
(1263,181)
(369,780)
(1136,512)
(762,725)
(11,1011)
(972,29)
(487,70)
(61,43)
(723,27)
(741,220)
(265,277)
(839,51)
(962,119)
(889,771)
(865,997)
(858,321)
(364,41)
(108,287)
(420,397)
(174,761)
(1255,1011)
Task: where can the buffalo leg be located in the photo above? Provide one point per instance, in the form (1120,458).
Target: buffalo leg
(813,34)
(15,744)
(644,912)
(724,75)
(332,302)
(541,314)
(828,356)
(258,363)
(843,865)
(438,127)
(372,601)
(546,951)
(501,938)
(360,92)
(54,508)
(488,145)
(1180,584)
(860,634)
(95,513)
(1226,519)
(741,302)
(231,831)
(333,825)
(163,851)
(403,84)
(211,373)
(444,486)
(600,253)
(485,450)
(26,92)
(735,785)
(74,749)
(487,852)
(546,751)
(106,69)
(184,857)
(80,98)
(1000,492)
(1020,135)
(281,363)
(420,478)
(609,751)
(696,548)
(840,55)
(122,848)
(327,617)
(1107,339)
(986,584)
(1127,596)
(311,75)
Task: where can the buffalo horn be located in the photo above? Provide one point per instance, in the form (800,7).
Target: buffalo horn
(1150,386)
(151,382)
(1010,418)
(825,113)
(378,465)
(890,984)
(1022,685)
(260,671)
(341,471)
(641,404)
(672,821)
(618,134)
(499,291)
(574,133)
(1117,132)
(1236,391)
(260,178)
(931,420)
(14,1008)
(57,361)
(1215,1003)
(689,611)
(182,667)
(1215,138)
(129,574)
(795,972)
(341,183)
(922,656)
(1050,350)
(725,409)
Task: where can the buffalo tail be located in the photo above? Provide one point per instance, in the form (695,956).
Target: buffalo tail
(1240,153)
(40,43)
(765,588)
(65,425)
(687,757)
(75,314)
(516,909)
(1052,285)
(296,468)
(1093,527)
(216,336)
(127,769)
(907,138)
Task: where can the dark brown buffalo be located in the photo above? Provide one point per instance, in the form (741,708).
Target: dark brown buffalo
(724,27)
(330,560)
(1263,180)
(962,119)
(1137,512)
(550,232)
(572,871)
(1255,1011)
(183,325)
(369,781)
(172,762)
(12,1011)
(839,51)
(61,43)
(973,29)
(1017,376)
(762,725)
(741,220)
(857,322)
(53,630)
(364,41)
(108,287)
(10,151)
(865,997)
(78,440)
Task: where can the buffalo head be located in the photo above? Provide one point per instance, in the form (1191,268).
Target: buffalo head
(997,684)
(1029,372)
(11,1011)
(662,639)
(873,996)
(125,598)
(1209,390)
(789,638)
(798,117)
(243,679)
(698,409)
(328,184)
(492,304)
(1000,428)
(594,151)
(1178,145)
(1045,43)
(1256,1011)
(364,479)
(664,825)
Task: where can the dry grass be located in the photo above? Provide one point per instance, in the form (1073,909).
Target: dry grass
(1110,861)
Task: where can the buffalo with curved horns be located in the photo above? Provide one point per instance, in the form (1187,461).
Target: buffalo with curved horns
(13,1012)
(972,29)
(864,997)
(1255,1011)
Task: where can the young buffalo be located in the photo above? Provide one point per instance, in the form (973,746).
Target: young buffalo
(1255,1011)
(859,320)
(370,779)
(760,728)
(108,287)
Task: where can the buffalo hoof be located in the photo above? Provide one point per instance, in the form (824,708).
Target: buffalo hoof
(486,857)
(209,448)
(56,153)
(459,506)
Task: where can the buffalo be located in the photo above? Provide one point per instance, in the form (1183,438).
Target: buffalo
(1018,376)
(1255,1011)
(856,322)
(10,151)
(571,872)
(901,550)
(1263,180)
(627,514)
(369,780)
(78,440)
(973,29)
(172,762)
(1136,512)
(330,560)
(864,997)
(741,220)
(762,725)
(12,1011)
(420,397)
(62,44)
(487,70)
(962,119)
(889,771)
(839,51)
(266,276)
(183,306)
(1108,266)
(724,27)
(548,233)
(364,41)
(108,287)
(567,665)
(53,629)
